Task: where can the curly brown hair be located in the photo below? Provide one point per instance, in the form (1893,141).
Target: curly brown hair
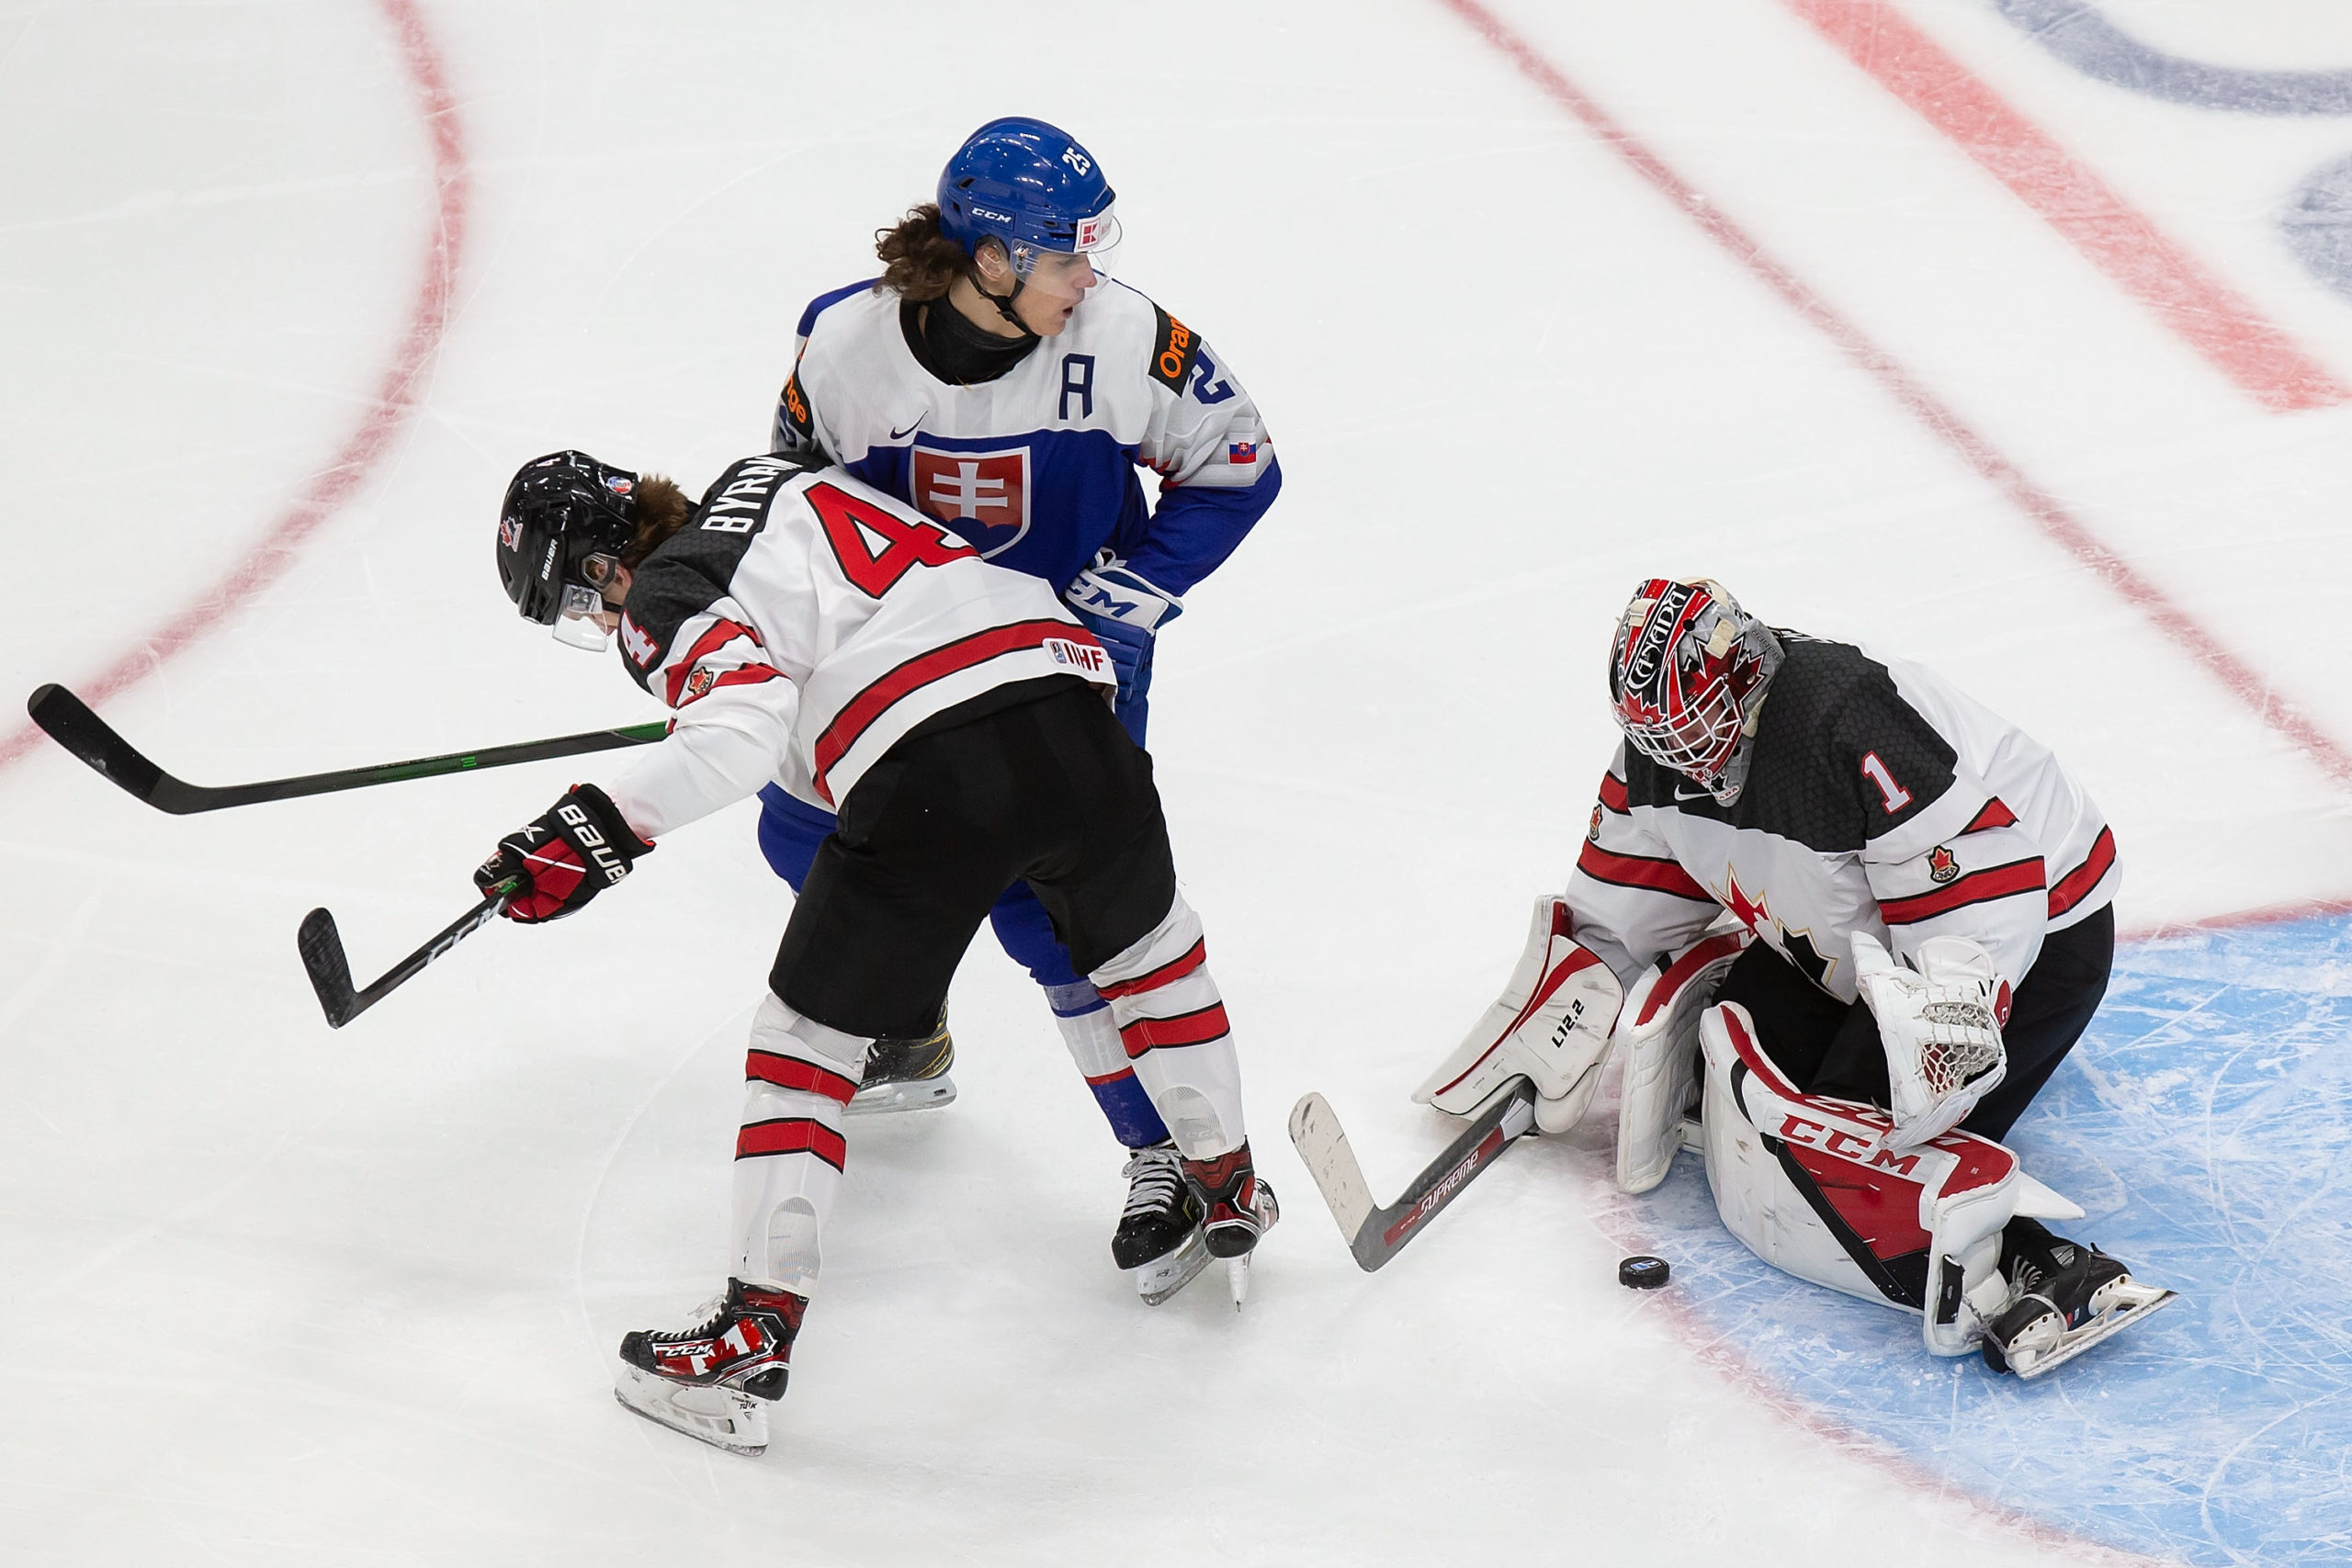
(919,262)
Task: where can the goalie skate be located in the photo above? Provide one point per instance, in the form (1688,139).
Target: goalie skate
(723,1417)
(2056,1316)
(907,1073)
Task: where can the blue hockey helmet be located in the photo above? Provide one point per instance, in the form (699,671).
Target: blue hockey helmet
(1030,186)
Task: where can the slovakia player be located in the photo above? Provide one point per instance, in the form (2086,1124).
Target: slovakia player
(996,380)
(1924,902)
(807,628)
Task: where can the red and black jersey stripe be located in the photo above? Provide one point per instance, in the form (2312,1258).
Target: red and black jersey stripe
(1196,1028)
(721,633)
(791,1072)
(1994,815)
(1976,888)
(792,1135)
(1640,871)
(1612,792)
(1173,970)
(2075,885)
(859,714)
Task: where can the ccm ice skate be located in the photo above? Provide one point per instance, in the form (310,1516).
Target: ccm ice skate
(1159,1240)
(1238,1207)
(2064,1297)
(907,1074)
(715,1381)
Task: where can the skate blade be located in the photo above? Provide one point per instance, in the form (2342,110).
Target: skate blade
(1236,1278)
(1171,1272)
(2134,1302)
(720,1416)
(915,1094)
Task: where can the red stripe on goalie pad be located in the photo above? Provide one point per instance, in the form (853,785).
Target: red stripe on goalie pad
(1185,1029)
(1690,964)
(791,1072)
(1173,970)
(792,1135)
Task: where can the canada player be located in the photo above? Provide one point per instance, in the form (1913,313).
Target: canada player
(1923,897)
(807,628)
(996,380)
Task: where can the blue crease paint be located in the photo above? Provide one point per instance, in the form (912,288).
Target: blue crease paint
(2076,33)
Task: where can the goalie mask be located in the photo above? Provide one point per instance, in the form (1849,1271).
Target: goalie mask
(560,533)
(1687,672)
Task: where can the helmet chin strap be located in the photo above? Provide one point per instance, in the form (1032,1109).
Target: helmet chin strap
(1003,302)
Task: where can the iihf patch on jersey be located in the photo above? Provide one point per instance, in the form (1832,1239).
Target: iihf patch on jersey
(1084,657)
(983,496)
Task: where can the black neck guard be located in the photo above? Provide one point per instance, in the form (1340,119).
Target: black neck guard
(955,350)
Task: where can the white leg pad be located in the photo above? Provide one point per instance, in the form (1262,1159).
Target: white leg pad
(1658,1042)
(1551,1025)
(798,1075)
(1808,1184)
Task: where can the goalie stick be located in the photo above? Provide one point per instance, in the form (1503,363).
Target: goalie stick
(1376,1235)
(70,723)
(323,957)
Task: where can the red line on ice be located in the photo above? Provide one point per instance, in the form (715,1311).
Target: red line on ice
(394,401)
(2120,240)
(2049,517)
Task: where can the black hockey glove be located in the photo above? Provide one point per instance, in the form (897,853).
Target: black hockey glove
(575,849)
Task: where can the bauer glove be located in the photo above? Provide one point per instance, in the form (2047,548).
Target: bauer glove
(1125,612)
(571,852)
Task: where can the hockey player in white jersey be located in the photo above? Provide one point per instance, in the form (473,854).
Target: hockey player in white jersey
(1925,929)
(807,628)
(996,380)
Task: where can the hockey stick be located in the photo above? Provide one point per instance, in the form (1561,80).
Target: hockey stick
(71,725)
(330,970)
(1376,1235)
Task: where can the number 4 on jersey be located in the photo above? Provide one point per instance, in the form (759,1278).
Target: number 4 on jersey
(853,527)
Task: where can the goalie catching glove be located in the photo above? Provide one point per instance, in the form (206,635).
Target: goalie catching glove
(571,852)
(1551,1026)
(1942,1029)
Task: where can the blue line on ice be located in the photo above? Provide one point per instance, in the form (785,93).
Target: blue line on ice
(2204,1125)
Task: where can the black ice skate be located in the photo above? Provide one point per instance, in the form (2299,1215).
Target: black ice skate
(2064,1297)
(908,1073)
(1238,1207)
(1158,1239)
(715,1381)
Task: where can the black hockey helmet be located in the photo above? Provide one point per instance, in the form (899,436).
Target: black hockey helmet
(562,511)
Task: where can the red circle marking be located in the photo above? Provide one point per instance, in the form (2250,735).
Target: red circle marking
(388,412)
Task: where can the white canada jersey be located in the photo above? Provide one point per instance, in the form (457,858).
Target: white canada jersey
(1879,799)
(802,623)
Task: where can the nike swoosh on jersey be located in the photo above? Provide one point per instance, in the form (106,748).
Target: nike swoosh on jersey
(902,435)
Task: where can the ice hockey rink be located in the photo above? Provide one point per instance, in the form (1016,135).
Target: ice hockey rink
(2014,336)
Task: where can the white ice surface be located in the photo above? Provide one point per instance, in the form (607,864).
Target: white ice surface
(273,1294)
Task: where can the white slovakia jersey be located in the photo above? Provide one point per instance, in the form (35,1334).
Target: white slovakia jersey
(801,623)
(1879,799)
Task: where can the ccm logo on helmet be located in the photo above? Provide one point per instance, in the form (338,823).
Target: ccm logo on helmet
(613,867)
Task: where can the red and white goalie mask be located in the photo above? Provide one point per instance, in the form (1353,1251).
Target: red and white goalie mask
(1686,674)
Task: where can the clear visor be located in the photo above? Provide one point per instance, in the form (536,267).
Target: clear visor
(1698,742)
(1097,238)
(584,620)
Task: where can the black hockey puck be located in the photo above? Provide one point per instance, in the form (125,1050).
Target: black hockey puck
(1643,1272)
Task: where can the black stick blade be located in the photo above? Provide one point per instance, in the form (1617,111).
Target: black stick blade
(330,970)
(68,720)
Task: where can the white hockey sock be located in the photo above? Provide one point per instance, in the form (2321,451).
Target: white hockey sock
(788,1156)
(1172,1029)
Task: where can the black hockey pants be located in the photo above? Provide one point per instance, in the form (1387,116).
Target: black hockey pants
(1049,790)
(1829,1047)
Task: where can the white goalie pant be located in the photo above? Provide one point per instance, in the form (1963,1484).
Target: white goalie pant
(1174,1031)
(798,1076)
(1808,1184)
